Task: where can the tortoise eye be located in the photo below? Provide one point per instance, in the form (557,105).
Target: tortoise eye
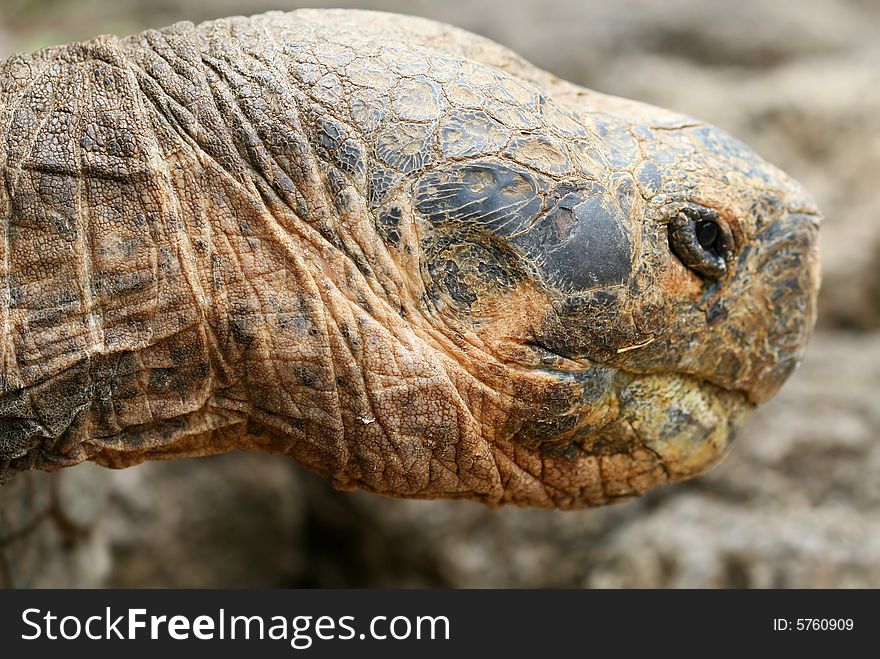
(707,234)
(701,241)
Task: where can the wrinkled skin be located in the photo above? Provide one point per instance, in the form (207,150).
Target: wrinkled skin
(388,248)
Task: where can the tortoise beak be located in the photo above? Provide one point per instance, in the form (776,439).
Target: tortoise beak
(788,281)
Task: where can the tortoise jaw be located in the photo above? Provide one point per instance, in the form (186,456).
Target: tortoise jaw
(688,423)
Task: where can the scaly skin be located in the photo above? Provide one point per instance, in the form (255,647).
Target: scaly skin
(388,248)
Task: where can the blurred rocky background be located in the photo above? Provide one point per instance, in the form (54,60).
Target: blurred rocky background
(797,503)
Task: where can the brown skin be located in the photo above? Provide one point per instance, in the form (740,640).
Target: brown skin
(390,249)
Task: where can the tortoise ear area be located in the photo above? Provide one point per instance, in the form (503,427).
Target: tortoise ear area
(469,270)
(471,210)
(494,196)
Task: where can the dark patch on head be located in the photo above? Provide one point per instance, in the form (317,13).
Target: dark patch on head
(500,198)
(624,192)
(785,233)
(493,271)
(642,280)
(679,422)
(783,289)
(604,299)
(728,365)
(661,153)
(566,449)
(594,383)
(580,243)
(781,250)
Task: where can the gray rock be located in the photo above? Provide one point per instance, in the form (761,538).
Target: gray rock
(232,521)
(48,532)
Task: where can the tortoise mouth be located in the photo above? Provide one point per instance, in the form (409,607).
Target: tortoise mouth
(688,423)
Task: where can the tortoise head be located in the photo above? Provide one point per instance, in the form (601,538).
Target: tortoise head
(677,275)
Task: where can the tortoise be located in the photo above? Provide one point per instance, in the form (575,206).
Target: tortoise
(390,249)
